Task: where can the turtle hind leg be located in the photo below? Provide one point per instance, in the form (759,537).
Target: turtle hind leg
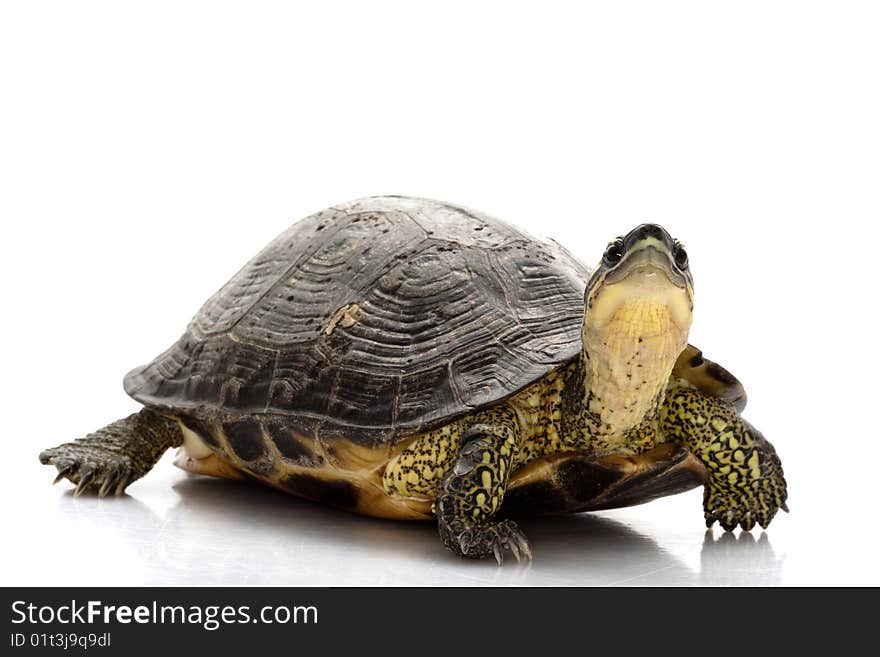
(473,488)
(110,459)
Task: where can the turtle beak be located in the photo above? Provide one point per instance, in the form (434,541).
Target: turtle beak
(647,276)
(648,260)
(649,248)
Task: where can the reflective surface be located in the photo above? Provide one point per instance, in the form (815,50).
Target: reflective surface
(178,529)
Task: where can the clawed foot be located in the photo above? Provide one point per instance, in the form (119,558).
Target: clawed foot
(482,541)
(90,468)
(754,501)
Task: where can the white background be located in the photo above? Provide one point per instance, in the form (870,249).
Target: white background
(147,151)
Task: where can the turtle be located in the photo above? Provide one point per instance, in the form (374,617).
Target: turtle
(408,358)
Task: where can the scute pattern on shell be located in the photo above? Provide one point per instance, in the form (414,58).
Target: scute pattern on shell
(454,310)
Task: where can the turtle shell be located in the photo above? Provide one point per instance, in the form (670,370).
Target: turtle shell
(376,319)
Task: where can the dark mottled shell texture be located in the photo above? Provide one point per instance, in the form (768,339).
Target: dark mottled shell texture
(374,319)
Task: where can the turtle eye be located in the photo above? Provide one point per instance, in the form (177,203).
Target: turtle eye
(680,256)
(614,253)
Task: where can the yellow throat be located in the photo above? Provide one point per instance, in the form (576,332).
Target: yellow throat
(636,324)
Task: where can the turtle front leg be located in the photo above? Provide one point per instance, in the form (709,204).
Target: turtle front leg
(473,488)
(111,458)
(746,484)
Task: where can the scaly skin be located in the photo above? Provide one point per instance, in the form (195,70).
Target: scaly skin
(473,488)
(746,483)
(613,400)
(111,458)
(418,470)
(551,421)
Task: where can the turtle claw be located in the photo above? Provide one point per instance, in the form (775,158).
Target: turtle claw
(124,480)
(507,536)
(520,547)
(465,541)
(90,469)
(110,480)
(86,475)
(63,469)
(749,499)
(487,540)
(744,507)
(514,549)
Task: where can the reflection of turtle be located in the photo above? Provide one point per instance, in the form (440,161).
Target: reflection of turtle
(402,357)
(739,561)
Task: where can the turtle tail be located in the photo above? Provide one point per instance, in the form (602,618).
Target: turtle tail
(111,458)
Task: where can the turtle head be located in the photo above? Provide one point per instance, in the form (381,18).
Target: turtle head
(638,306)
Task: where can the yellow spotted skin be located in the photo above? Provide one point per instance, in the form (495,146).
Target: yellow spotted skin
(536,412)
(550,418)
(416,472)
(473,487)
(464,466)
(746,484)
(539,409)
